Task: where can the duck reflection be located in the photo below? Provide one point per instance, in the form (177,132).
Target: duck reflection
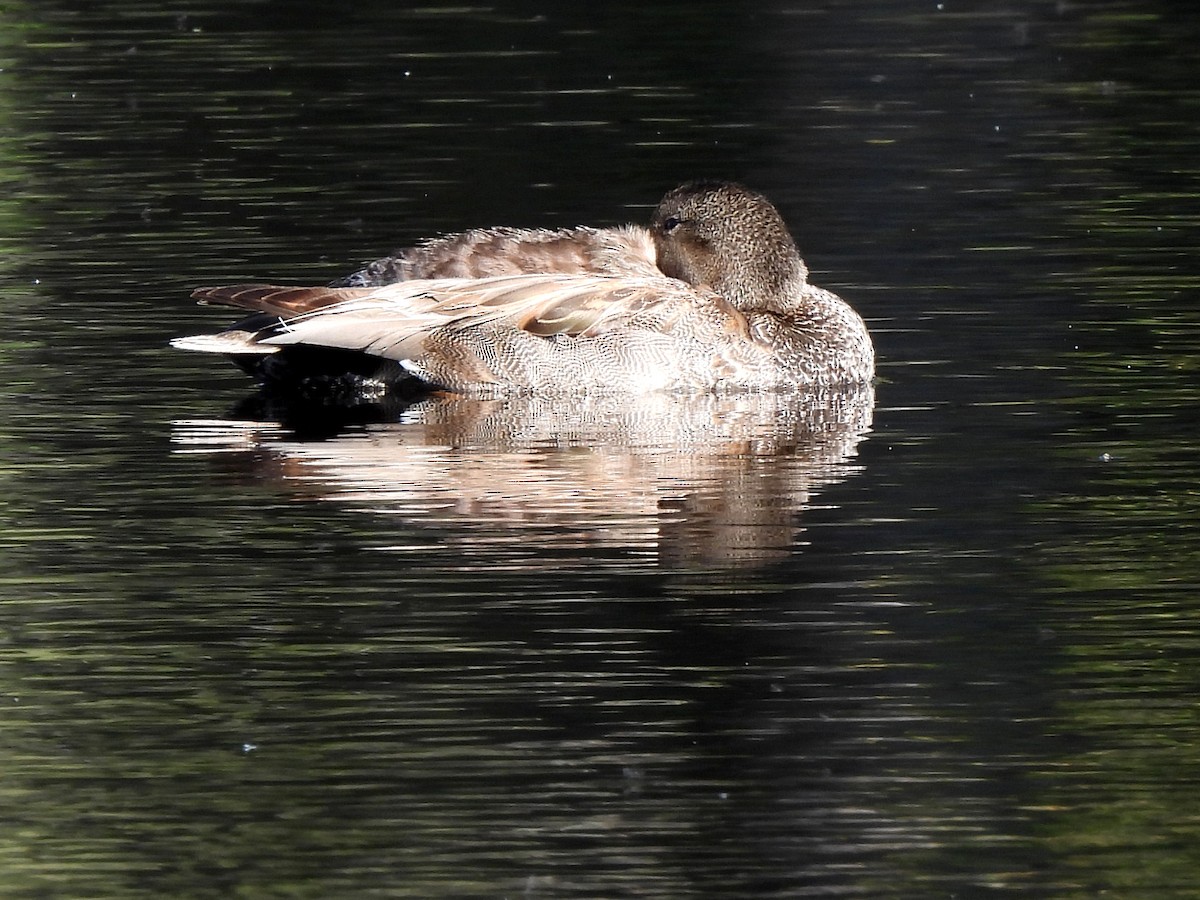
(655,479)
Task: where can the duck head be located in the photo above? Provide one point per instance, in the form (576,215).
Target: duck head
(731,239)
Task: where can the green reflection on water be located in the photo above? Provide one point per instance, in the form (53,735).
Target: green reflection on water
(1121,551)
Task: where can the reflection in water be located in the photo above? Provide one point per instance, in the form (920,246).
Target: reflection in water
(696,480)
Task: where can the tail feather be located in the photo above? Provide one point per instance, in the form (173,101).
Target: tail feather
(284,302)
(231,343)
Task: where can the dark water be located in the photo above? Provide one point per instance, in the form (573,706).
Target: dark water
(938,642)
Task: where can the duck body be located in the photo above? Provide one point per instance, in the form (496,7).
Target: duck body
(711,296)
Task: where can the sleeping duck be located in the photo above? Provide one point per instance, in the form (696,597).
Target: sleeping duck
(712,296)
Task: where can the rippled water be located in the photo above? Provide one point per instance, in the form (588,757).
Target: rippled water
(938,641)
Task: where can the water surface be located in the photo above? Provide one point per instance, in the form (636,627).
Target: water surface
(937,641)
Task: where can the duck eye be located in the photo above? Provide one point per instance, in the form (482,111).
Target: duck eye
(670,223)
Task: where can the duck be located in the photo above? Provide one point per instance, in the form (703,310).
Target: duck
(711,296)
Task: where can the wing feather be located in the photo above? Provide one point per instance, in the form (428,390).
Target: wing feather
(283,302)
(395,321)
(385,321)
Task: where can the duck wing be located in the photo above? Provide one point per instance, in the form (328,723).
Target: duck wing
(391,321)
